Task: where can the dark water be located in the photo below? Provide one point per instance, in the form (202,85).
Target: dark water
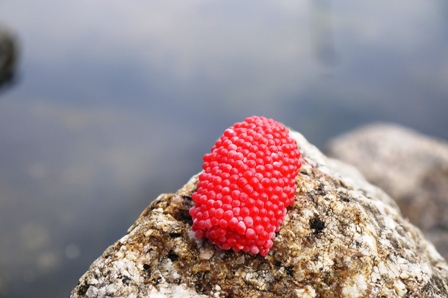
(116,102)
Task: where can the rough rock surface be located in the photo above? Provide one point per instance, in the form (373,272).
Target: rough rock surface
(409,166)
(342,238)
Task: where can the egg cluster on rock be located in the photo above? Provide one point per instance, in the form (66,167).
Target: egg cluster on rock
(247,183)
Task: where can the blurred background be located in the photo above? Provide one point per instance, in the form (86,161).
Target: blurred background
(107,104)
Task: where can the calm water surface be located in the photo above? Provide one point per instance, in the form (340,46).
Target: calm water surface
(116,102)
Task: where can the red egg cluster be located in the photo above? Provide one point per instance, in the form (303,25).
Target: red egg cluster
(247,183)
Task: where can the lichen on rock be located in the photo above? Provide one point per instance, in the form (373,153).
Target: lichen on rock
(342,237)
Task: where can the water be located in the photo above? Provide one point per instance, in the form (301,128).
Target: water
(116,102)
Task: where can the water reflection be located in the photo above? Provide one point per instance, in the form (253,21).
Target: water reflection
(118,106)
(322,35)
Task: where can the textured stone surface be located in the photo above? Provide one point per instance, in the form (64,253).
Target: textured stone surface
(342,238)
(409,166)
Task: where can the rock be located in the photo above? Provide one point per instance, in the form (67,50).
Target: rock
(8,56)
(409,166)
(342,237)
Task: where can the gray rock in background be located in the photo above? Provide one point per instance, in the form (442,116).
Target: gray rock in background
(410,167)
(342,237)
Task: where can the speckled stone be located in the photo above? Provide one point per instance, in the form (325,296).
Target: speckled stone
(342,237)
(412,168)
